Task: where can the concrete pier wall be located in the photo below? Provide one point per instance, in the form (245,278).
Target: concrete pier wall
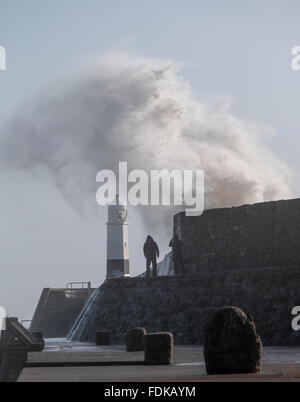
(58,310)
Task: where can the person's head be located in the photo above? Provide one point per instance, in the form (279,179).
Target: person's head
(149,238)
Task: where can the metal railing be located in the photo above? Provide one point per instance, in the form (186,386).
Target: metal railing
(79,285)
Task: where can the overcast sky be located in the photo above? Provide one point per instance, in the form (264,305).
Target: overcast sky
(230,49)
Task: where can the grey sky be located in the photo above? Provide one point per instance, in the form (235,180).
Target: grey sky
(230,49)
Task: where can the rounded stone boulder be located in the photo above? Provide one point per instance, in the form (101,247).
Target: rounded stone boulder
(159,348)
(135,339)
(231,343)
(102,338)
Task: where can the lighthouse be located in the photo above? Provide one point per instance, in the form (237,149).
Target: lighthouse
(117,241)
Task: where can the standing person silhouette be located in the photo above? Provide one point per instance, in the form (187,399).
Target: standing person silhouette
(151,252)
(176,245)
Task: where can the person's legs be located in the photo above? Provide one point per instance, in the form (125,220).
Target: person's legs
(181,264)
(148,262)
(175,266)
(154,266)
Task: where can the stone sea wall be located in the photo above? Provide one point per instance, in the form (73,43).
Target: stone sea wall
(259,235)
(248,257)
(182,305)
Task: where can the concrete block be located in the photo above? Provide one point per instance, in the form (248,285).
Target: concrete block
(135,339)
(102,338)
(159,348)
(16,341)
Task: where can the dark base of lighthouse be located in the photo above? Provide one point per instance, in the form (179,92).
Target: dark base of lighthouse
(117,268)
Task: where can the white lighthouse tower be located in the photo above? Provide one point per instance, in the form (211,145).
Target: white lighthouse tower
(117,241)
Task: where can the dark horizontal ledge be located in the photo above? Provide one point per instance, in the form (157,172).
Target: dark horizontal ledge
(83,364)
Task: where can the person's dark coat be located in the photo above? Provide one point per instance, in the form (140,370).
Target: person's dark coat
(176,245)
(151,250)
(151,253)
(178,264)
